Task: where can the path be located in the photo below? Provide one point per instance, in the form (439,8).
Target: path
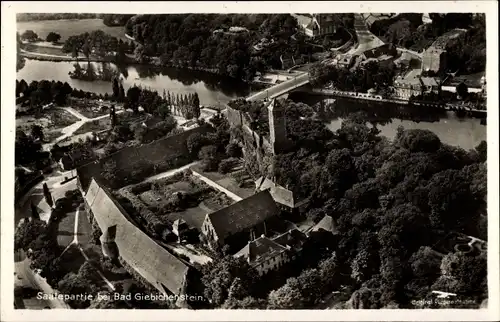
(70,129)
(366,40)
(35,281)
(166,174)
(217,186)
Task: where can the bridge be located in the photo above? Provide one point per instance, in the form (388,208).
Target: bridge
(281,89)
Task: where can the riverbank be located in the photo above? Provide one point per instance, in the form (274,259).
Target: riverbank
(378,98)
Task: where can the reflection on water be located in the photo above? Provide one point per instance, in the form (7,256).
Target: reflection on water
(212,89)
(451,128)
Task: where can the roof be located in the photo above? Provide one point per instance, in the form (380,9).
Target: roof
(142,253)
(293,238)
(429,81)
(260,249)
(155,152)
(472,80)
(244,214)
(303,20)
(280,194)
(327,224)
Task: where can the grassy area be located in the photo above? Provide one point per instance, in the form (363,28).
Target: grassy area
(52,135)
(50,120)
(68,28)
(94,126)
(227,181)
(46,50)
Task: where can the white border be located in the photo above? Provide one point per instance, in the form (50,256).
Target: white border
(9,9)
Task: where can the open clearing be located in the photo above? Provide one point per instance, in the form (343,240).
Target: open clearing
(68,28)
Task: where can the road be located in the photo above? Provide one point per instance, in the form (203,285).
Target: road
(35,281)
(366,40)
(282,88)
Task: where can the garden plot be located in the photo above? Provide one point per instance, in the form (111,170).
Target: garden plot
(50,120)
(183,197)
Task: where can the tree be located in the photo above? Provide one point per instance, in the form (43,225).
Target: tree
(27,232)
(233,150)
(218,277)
(53,37)
(29,35)
(194,143)
(74,284)
(481,149)
(109,171)
(425,263)
(47,195)
(116,89)
(286,297)
(462,90)
(121,95)
(37,132)
(34,212)
(209,156)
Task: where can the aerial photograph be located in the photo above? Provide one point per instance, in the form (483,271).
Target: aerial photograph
(270,161)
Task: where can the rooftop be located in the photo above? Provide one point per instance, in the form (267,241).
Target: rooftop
(326,224)
(260,249)
(244,214)
(148,258)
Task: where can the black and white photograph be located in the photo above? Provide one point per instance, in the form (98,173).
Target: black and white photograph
(237,159)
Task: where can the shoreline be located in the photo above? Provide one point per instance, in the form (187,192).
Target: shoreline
(63,59)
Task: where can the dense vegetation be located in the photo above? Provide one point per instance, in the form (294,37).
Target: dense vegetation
(391,202)
(190,41)
(100,44)
(359,79)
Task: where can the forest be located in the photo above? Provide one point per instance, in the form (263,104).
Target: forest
(392,202)
(194,41)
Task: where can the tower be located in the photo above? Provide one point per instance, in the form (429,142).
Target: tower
(277,126)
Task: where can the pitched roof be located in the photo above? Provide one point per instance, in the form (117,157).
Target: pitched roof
(293,238)
(429,81)
(243,214)
(155,152)
(280,194)
(260,249)
(327,223)
(142,253)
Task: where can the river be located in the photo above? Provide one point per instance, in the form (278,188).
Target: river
(211,89)
(215,90)
(452,129)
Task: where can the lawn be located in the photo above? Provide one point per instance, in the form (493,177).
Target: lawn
(68,28)
(50,120)
(228,182)
(94,126)
(92,109)
(66,229)
(46,50)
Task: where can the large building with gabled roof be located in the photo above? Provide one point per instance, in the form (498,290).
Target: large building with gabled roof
(235,224)
(167,273)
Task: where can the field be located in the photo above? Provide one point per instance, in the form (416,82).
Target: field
(50,120)
(227,181)
(46,50)
(68,28)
